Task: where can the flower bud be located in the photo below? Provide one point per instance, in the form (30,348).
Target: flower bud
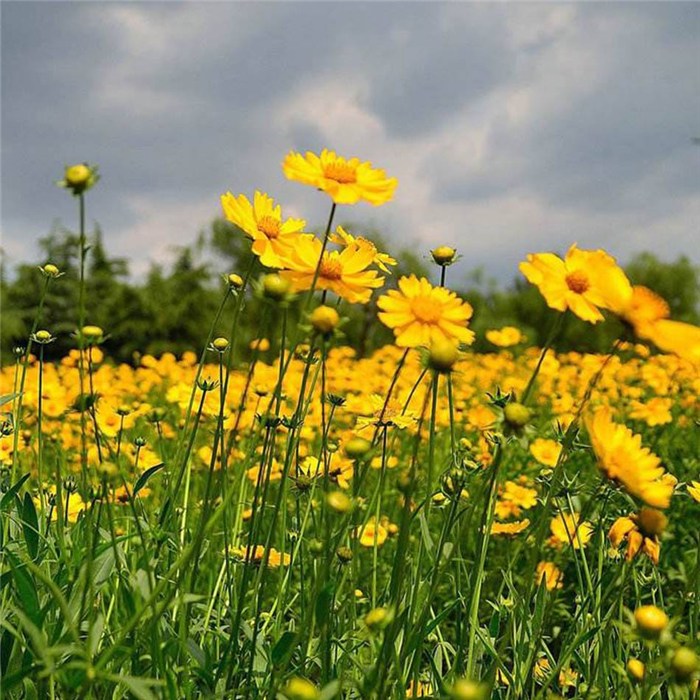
(324,319)
(379,619)
(220,344)
(316,547)
(339,502)
(443,355)
(275,287)
(517,415)
(684,664)
(464,689)
(79,177)
(234,281)
(92,333)
(301,689)
(443,255)
(357,447)
(42,336)
(651,621)
(344,554)
(50,270)
(636,670)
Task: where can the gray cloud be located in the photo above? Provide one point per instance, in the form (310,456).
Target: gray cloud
(511,127)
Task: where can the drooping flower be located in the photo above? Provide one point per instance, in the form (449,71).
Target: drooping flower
(345,272)
(622,459)
(420,314)
(641,531)
(549,573)
(514,528)
(381,260)
(585,281)
(648,314)
(273,238)
(346,181)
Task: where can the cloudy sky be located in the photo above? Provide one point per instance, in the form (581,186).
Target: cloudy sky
(512,127)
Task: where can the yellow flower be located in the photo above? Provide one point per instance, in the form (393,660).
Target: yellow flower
(514,499)
(567,528)
(641,531)
(622,458)
(375,410)
(549,574)
(505,337)
(262,221)
(345,273)
(420,314)
(546,451)
(651,621)
(372,532)
(345,181)
(648,314)
(513,528)
(656,411)
(584,281)
(694,490)
(257,555)
(381,260)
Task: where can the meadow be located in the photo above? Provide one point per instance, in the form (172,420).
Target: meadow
(283,517)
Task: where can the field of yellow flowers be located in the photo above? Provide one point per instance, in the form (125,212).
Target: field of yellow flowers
(311,524)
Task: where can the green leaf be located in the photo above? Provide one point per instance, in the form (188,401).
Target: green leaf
(141,481)
(139,687)
(6,398)
(283,648)
(10,494)
(26,589)
(330,691)
(30,525)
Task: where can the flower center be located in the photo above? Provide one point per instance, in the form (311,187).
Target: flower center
(343,173)
(269,226)
(577,282)
(330,268)
(425,309)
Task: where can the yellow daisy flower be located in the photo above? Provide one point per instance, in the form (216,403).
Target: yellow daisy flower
(346,181)
(567,528)
(549,574)
(641,531)
(381,260)
(584,281)
(622,458)
(420,314)
(262,221)
(546,451)
(346,273)
(505,337)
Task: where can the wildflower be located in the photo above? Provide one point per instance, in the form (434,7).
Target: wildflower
(584,281)
(622,458)
(548,573)
(636,670)
(372,533)
(301,689)
(517,415)
(694,490)
(546,451)
(505,337)
(379,618)
(256,555)
(443,355)
(92,333)
(345,181)
(50,270)
(344,554)
(234,281)
(443,255)
(684,664)
(381,260)
(380,413)
(339,502)
(79,178)
(541,669)
(220,344)
(262,221)
(324,319)
(655,411)
(566,528)
(419,314)
(648,315)
(641,531)
(345,273)
(651,621)
(43,337)
(275,287)
(514,499)
(513,528)
(259,344)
